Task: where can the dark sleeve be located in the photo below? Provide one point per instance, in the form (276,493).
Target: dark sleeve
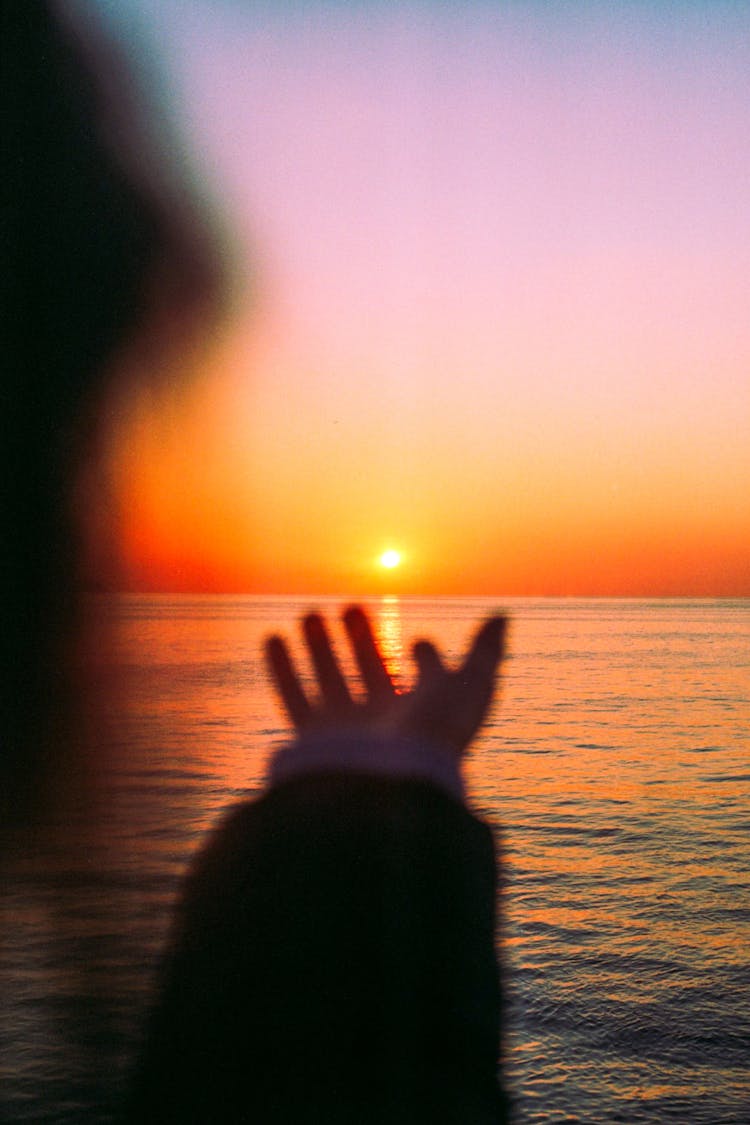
(333,961)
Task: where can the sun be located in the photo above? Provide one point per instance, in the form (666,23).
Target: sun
(389,559)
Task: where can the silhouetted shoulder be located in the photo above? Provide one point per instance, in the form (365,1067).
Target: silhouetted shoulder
(333,960)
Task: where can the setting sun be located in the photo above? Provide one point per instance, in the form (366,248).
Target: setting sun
(594,443)
(390,559)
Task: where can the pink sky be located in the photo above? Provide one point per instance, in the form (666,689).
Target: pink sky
(501,260)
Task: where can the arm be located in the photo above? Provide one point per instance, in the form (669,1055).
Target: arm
(334,958)
(444,707)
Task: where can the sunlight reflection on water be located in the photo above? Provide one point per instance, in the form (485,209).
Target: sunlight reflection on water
(389,632)
(615,765)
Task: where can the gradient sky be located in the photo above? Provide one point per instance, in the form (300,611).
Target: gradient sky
(499,311)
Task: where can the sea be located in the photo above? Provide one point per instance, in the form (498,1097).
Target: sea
(615,768)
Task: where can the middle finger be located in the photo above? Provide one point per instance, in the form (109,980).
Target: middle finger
(374,672)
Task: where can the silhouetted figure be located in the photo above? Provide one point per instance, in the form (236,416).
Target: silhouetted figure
(101,249)
(333,958)
(334,954)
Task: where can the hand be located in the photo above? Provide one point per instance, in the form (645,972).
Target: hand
(446,707)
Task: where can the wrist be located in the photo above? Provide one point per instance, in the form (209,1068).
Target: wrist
(355,751)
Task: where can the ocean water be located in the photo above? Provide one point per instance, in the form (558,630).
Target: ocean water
(616,767)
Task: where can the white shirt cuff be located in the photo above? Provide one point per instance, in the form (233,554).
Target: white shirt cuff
(397,756)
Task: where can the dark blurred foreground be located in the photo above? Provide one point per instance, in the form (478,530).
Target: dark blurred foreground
(109,268)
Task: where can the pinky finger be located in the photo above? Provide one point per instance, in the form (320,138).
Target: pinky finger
(287,682)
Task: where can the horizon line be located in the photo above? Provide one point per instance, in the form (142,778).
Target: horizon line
(381,594)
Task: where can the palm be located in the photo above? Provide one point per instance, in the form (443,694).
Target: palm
(445,706)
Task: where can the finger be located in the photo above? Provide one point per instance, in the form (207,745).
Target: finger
(374,672)
(428,662)
(478,671)
(332,684)
(287,682)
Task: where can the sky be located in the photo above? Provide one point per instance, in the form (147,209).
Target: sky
(496,303)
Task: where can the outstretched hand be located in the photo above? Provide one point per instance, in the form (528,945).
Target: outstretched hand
(444,706)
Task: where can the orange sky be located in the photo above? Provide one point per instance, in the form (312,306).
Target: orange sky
(500,315)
